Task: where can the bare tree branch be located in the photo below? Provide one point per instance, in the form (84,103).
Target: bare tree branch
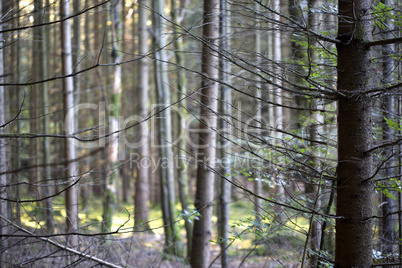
(384,42)
(63,247)
(84,11)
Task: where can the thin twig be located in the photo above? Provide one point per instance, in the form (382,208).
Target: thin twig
(63,247)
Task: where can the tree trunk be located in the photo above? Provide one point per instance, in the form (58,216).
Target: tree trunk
(165,132)
(312,186)
(270,87)
(182,165)
(142,181)
(34,104)
(68,87)
(354,230)
(3,156)
(42,69)
(399,200)
(278,95)
(200,251)
(277,56)
(85,189)
(226,112)
(111,184)
(80,118)
(258,118)
(19,98)
(76,50)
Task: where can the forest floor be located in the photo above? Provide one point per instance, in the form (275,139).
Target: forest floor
(148,247)
(278,248)
(140,250)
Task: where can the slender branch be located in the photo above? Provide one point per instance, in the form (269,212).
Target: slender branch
(383,145)
(16,116)
(266,199)
(46,197)
(227,246)
(247,255)
(75,137)
(63,163)
(56,21)
(63,247)
(302,27)
(380,167)
(383,89)
(386,215)
(387,264)
(384,42)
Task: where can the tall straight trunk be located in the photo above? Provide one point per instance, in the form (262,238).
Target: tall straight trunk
(70,153)
(100,18)
(200,251)
(76,50)
(18,93)
(270,88)
(297,54)
(125,173)
(182,166)
(114,108)
(226,111)
(142,181)
(42,71)
(312,186)
(165,132)
(354,188)
(3,156)
(34,103)
(277,91)
(86,115)
(399,200)
(277,56)
(76,59)
(327,235)
(387,234)
(258,115)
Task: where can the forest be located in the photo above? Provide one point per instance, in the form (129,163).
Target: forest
(214,133)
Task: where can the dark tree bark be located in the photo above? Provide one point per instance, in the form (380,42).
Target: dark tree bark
(35,102)
(200,251)
(355,189)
